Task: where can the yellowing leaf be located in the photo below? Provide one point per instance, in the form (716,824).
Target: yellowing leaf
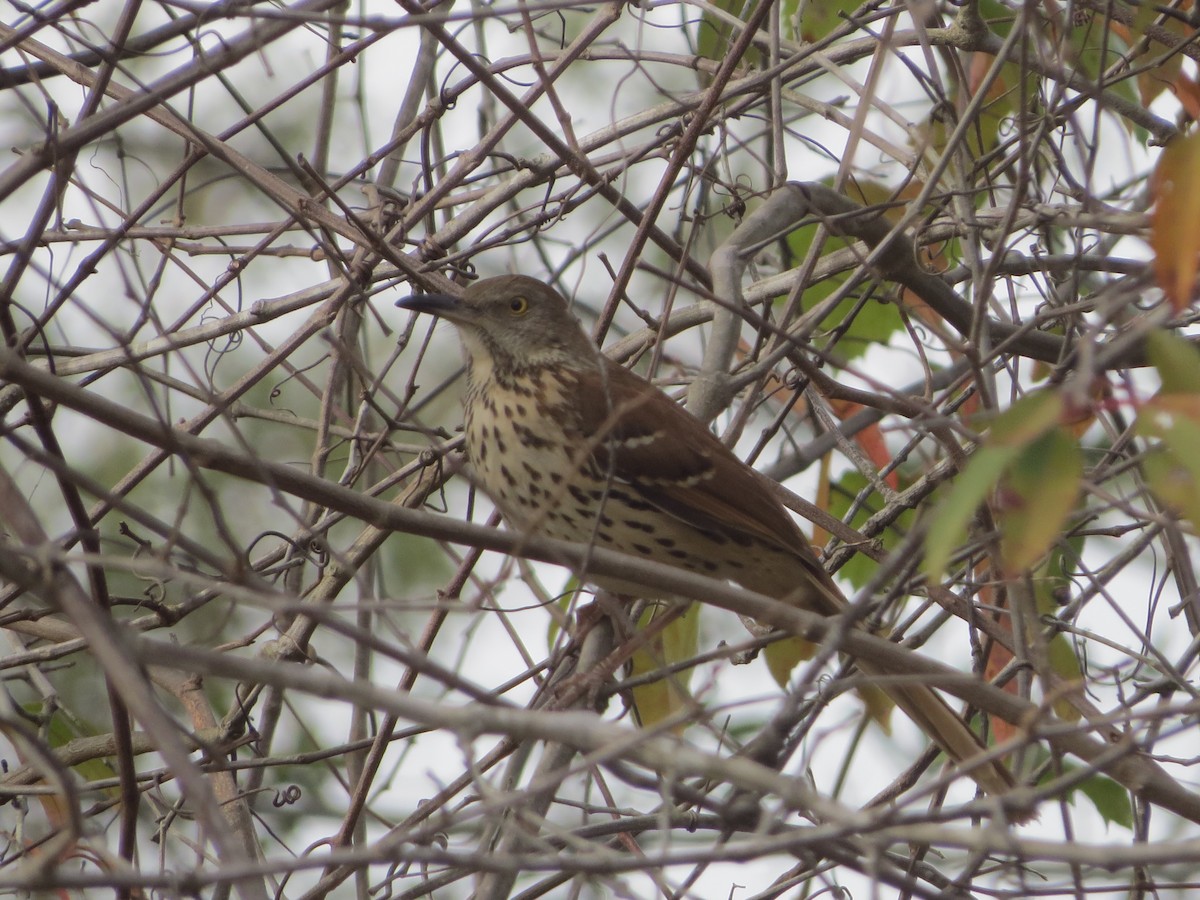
(1177,362)
(1188,93)
(1027,419)
(953,515)
(1174,482)
(1018,426)
(1065,664)
(657,700)
(1041,490)
(1172,468)
(1051,586)
(1175,227)
(1170,408)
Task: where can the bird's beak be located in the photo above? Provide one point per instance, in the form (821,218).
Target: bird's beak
(442,305)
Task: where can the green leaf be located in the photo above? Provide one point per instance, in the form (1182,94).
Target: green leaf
(1004,97)
(715,37)
(1054,574)
(1051,582)
(874,322)
(1110,799)
(818,18)
(998,16)
(1096,48)
(63,728)
(859,570)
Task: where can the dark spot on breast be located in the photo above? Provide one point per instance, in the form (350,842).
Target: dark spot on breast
(508,476)
(665,542)
(529,438)
(635,504)
(556,477)
(709,565)
(642,549)
(535,474)
(678,554)
(638,525)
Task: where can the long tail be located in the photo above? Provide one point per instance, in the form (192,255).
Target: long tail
(946,727)
(813,589)
(925,707)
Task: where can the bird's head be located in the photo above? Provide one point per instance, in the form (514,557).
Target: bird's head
(511,322)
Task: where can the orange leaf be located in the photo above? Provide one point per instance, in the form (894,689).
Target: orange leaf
(1175,228)
(870,439)
(998,656)
(1189,95)
(1184,405)
(1079,413)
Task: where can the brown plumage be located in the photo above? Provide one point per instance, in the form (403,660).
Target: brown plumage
(573,446)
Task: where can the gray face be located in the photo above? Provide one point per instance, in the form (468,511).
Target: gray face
(512,319)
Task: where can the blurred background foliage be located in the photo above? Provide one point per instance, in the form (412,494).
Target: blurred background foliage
(207,214)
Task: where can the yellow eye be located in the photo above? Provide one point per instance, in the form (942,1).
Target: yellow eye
(518,306)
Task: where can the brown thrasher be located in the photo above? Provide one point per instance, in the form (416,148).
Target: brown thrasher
(571,445)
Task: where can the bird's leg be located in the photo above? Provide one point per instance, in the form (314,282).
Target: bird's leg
(757,630)
(607,610)
(628,639)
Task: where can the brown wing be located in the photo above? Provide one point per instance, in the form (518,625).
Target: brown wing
(644,439)
(657,448)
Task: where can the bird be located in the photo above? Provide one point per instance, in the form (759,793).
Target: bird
(571,445)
